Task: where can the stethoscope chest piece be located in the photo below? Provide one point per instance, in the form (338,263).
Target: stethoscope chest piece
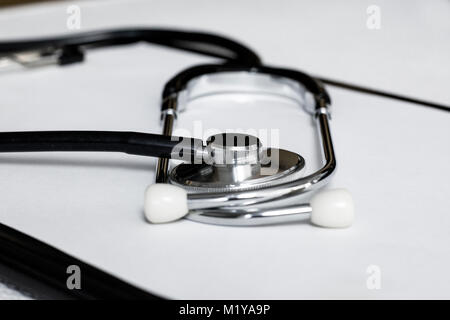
(236,162)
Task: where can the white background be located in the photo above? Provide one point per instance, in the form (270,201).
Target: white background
(393,156)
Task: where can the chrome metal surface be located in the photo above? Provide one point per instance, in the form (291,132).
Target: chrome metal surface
(29,59)
(251,216)
(274,167)
(244,82)
(168,117)
(226,149)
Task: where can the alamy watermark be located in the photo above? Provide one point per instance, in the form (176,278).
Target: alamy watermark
(74,278)
(373,281)
(73,21)
(373,21)
(234,137)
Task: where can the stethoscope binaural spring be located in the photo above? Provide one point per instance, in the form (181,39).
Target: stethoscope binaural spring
(230,179)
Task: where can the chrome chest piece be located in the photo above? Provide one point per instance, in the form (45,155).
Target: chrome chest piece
(236,162)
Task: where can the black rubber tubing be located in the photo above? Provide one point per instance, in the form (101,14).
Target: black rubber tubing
(144,144)
(48,265)
(198,42)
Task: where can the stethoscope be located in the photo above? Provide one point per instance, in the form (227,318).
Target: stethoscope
(229,179)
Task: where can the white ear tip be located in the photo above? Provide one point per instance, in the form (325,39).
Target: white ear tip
(332,208)
(165,203)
